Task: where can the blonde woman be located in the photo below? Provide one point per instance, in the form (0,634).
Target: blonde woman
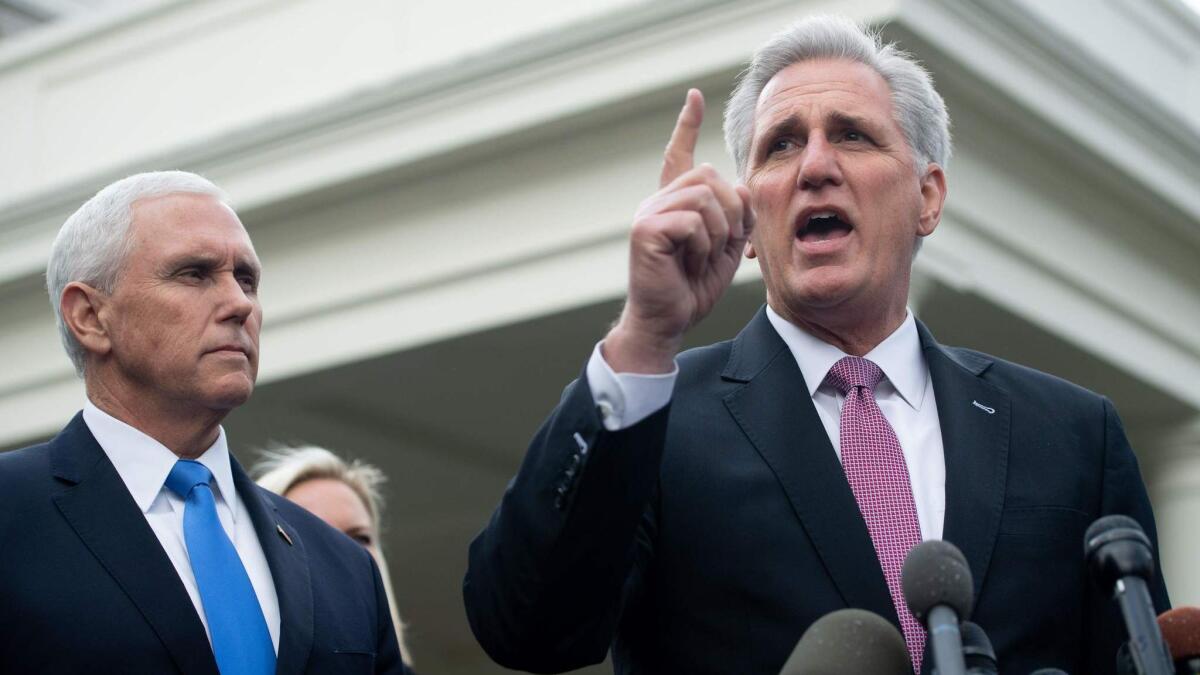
(344,494)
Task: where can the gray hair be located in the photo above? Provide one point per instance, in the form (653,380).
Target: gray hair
(92,244)
(918,108)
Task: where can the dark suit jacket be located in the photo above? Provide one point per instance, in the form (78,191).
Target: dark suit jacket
(85,586)
(708,537)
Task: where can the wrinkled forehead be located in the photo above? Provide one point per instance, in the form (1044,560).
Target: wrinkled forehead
(835,86)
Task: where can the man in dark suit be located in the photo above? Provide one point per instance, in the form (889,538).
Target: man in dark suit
(133,542)
(696,513)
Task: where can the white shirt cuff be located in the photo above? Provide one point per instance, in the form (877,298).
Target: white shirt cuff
(624,399)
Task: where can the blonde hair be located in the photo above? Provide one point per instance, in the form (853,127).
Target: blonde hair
(283,468)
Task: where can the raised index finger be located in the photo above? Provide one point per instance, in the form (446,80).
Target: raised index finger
(681,149)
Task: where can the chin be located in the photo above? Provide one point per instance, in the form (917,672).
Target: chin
(231,394)
(820,289)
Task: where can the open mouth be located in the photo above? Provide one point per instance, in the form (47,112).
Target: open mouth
(823,226)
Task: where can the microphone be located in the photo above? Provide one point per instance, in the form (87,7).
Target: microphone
(1181,629)
(939,591)
(1118,552)
(978,655)
(849,642)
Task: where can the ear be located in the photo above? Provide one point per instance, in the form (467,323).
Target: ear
(81,307)
(933,195)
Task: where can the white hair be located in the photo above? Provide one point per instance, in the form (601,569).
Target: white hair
(919,110)
(92,244)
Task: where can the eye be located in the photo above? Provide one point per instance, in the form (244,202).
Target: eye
(854,136)
(193,274)
(249,282)
(780,144)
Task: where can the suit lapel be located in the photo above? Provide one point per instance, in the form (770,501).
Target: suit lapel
(975,421)
(777,414)
(98,506)
(288,561)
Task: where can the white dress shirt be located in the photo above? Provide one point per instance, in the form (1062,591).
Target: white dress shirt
(143,464)
(905,396)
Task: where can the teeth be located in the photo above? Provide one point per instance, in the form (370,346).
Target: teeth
(822,215)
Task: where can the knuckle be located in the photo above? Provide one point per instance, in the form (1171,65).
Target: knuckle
(644,211)
(643,226)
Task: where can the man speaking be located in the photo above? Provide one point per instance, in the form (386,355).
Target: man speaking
(133,542)
(696,512)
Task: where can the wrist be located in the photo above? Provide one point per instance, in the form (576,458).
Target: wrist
(629,348)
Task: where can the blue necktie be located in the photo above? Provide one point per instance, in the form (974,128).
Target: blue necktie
(240,639)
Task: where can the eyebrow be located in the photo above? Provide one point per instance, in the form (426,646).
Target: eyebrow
(834,119)
(786,125)
(208,262)
(843,120)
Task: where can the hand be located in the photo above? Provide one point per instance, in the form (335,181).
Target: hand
(686,243)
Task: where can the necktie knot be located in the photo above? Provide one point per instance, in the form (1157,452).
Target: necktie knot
(186,475)
(854,371)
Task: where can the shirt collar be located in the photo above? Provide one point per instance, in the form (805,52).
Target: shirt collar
(143,463)
(899,356)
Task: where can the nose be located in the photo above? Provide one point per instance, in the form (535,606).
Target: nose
(237,303)
(818,163)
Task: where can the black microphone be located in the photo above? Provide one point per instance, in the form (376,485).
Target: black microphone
(978,655)
(939,591)
(1119,554)
(849,642)
(1181,629)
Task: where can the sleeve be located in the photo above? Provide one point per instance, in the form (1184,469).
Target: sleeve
(624,399)
(548,576)
(1123,493)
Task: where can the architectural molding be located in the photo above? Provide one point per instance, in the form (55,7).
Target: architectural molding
(1065,89)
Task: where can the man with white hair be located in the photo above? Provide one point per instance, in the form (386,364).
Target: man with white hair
(133,542)
(696,512)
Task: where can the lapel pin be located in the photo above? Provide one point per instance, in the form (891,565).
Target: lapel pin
(279,529)
(984,408)
(583,448)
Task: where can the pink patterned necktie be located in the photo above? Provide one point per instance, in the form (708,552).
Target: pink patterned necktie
(874,466)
